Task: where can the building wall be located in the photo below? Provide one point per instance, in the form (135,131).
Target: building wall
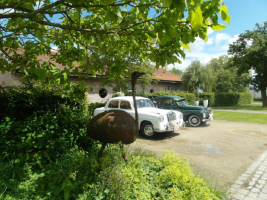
(256,94)
(11,79)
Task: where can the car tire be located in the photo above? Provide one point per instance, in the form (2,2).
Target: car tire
(194,120)
(147,130)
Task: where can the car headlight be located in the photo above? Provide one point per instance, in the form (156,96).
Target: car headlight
(204,115)
(181,116)
(161,118)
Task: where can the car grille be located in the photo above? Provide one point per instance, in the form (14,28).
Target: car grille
(171,116)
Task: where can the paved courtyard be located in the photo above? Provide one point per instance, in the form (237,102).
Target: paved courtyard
(252,185)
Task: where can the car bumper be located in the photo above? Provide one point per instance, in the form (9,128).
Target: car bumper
(170,126)
(209,119)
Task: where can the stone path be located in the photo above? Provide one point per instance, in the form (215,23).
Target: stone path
(252,185)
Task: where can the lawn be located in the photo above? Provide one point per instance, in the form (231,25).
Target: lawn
(256,107)
(240,117)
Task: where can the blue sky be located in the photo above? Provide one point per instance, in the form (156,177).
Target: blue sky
(244,15)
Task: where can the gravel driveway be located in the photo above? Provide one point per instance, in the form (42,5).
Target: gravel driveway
(219,152)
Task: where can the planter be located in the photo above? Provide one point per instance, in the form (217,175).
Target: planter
(205,103)
(196,103)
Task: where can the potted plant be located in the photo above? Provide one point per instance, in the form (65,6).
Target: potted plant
(197,101)
(205,101)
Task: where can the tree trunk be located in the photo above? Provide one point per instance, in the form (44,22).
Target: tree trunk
(263,96)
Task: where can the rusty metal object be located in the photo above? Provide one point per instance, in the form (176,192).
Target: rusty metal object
(112,127)
(115,126)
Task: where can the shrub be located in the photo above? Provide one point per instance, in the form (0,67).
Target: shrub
(93,106)
(48,124)
(79,175)
(227,98)
(21,102)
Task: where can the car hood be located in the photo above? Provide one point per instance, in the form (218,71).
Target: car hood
(153,110)
(191,107)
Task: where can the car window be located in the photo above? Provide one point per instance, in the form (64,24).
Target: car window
(113,104)
(158,101)
(181,103)
(125,105)
(141,103)
(167,101)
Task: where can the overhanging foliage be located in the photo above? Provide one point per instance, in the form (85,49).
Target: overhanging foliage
(100,35)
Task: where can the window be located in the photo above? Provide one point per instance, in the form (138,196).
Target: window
(151,91)
(167,102)
(113,104)
(103,93)
(125,105)
(158,101)
(168,88)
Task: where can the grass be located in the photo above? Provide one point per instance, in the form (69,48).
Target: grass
(241,117)
(255,107)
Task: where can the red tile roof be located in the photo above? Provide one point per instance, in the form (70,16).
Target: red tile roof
(165,75)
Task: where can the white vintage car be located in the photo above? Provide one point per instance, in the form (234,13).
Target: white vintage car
(151,119)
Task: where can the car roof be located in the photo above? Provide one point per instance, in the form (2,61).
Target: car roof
(171,97)
(126,98)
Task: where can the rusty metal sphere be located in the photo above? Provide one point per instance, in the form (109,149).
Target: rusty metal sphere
(113,126)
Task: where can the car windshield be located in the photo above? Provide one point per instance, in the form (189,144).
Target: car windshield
(142,103)
(181,103)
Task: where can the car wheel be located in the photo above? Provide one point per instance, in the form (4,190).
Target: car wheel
(194,120)
(147,130)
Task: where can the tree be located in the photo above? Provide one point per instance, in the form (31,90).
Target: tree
(215,76)
(191,77)
(249,52)
(96,36)
(178,72)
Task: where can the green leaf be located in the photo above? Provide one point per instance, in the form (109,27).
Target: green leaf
(83,84)
(186,46)
(106,2)
(203,36)
(225,17)
(39,35)
(196,19)
(65,76)
(224,8)
(166,3)
(41,73)
(218,27)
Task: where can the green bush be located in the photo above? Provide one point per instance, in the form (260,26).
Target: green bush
(227,98)
(21,102)
(43,129)
(93,106)
(79,175)
(230,99)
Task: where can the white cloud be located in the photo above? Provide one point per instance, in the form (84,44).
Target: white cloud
(210,31)
(233,39)
(221,37)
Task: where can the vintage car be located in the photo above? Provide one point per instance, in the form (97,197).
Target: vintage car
(195,115)
(151,119)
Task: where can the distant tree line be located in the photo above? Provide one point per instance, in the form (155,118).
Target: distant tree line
(215,76)
(233,73)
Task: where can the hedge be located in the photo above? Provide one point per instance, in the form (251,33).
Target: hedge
(227,98)
(39,124)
